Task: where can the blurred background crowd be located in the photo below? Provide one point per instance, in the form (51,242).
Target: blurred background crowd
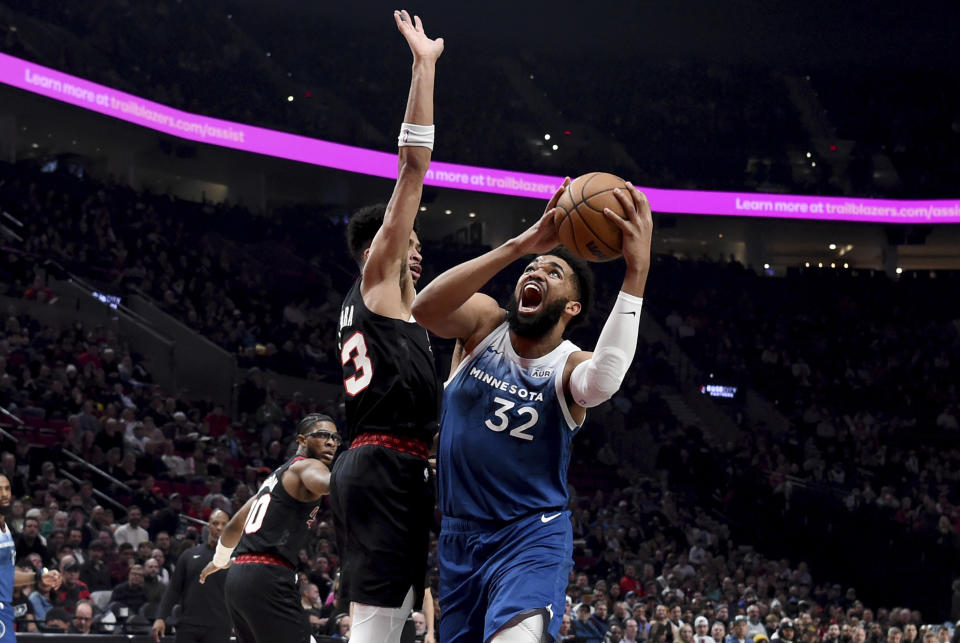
(838,523)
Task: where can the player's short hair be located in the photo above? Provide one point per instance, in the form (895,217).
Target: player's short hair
(362,228)
(583,281)
(306,424)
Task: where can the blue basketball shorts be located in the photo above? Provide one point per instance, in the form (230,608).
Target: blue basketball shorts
(493,577)
(7,633)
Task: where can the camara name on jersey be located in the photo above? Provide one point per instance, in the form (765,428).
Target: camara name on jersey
(505,386)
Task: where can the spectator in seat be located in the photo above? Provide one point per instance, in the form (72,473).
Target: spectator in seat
(702,634)
(167,520)
(419,626)
(754,624)
(631,631)
(675,621)
(75,543)
(175,464)
(18,483)
(22,607)
(151,581)
(82,618)
(39,292)
(72,589)
(164,574)
(95,573)
(57,621)
(144,551)
(310,597)
(566,629)
(131,532)
(629,582)
(29,541)
(110,437)
(620,611)
(120,568)
(131,593)
(586,627)
(661,631)
(163,544)
(738,633)
(217,421)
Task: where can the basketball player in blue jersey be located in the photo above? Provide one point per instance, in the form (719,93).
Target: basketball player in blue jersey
(10,576)
(509,413)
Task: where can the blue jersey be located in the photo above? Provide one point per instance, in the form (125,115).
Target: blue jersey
(505,433)
(8,554)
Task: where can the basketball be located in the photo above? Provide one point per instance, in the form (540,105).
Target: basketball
(581,224)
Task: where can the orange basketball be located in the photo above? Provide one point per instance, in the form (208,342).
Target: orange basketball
(581,224)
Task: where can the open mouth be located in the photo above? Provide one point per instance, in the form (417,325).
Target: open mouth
(531,298)
(415,270)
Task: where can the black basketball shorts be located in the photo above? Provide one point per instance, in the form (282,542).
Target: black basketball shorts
(264,603)
(383,504)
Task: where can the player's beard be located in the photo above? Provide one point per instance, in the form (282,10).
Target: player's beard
(538,325)
(6,509)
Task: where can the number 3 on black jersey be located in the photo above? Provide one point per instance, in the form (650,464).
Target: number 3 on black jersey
(355,349)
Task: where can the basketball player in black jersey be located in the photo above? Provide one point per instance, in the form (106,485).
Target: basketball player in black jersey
(382,494)
(268,533)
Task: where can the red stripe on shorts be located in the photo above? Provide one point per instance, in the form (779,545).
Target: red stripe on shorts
(395,442)
(262,559)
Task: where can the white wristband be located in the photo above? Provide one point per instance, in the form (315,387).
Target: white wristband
(416,135)
(221,557)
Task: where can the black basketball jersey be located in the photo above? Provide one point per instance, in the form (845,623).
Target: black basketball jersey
(389,374)
(278,524)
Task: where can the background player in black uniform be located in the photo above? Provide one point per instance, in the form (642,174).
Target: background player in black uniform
(268,533)
(203,609)
(382,494)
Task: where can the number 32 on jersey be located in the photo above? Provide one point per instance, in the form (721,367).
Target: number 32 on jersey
(503,421)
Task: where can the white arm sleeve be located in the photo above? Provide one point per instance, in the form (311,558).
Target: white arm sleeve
(595,380)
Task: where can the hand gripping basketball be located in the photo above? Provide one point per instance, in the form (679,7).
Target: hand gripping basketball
(637,227)
(581,224)
(542,235)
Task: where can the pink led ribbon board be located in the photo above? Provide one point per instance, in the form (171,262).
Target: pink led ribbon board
(202,129)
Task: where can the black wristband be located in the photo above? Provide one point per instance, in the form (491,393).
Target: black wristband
(39,577)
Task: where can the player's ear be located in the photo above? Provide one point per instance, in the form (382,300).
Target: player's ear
(572,308)
(366,254)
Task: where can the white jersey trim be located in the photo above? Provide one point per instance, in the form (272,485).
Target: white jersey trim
(561,398)
(479,348)
(502,332)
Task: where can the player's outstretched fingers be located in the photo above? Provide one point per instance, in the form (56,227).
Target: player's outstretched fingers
(627,202)
(418,24)
(552,203)
(643,204)
(616,219)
